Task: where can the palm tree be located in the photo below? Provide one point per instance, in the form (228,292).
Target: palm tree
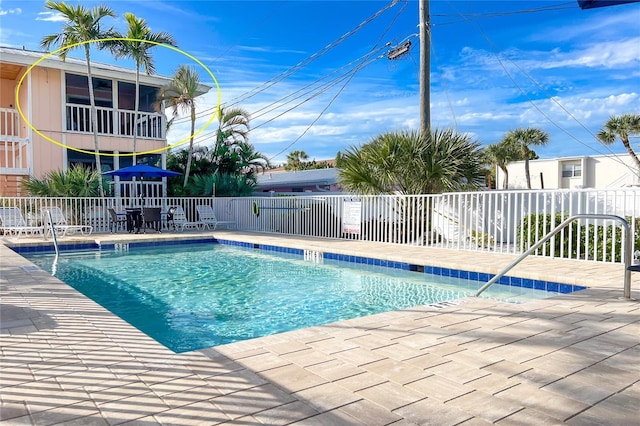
(233,126)
(181,94)
(500,154)
(621,127)
(82,26)
(77,181)
(137,44)
(250,161)
(233,131)
(410,163)
(296,160)
(524,138)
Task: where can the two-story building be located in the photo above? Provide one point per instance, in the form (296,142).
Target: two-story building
(54,98)
(589,171)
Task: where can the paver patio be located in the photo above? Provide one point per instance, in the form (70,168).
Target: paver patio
(570,359)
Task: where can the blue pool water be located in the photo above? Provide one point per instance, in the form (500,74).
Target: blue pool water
(189,297)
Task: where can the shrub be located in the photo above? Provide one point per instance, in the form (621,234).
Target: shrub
(572,242)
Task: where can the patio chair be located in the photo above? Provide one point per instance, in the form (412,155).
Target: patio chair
(13,223)
(207,216)
(60,223)
(180,221)
(151,217)
(117,220)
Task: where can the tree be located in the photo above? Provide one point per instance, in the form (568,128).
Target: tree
(225,184)
(233,126)
(232,133)
(621,127)
(78,181)
(243,159)
(81,26)
(407,162)
(181,94)
(500,154)
(295,160)
(523,138)
(137,46)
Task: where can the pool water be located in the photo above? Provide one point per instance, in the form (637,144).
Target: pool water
(189,297)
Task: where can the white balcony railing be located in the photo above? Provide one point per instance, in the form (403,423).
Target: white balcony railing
(115,122)
(13,148)
(9,122)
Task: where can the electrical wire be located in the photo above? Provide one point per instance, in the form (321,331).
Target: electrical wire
(289,72)
(466,17)
(490,43)
(443,82)
(362,65)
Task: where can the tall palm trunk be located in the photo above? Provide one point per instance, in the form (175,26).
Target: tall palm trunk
(135,112)
(190,155)
(94,118)
(527,175)
(627,146)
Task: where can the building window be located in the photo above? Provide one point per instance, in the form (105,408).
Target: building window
(127,97)
(570,170)
(77,90)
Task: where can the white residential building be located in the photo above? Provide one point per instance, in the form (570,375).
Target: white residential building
(597,171)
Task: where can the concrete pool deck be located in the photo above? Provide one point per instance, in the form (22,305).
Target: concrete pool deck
(570,359)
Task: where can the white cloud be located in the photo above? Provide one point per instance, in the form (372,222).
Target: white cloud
(50,17)
(14,11)
(613,54)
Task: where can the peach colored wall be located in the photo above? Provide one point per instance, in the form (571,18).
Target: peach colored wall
(111,143)
(47,118)
(7,95)
(23,95)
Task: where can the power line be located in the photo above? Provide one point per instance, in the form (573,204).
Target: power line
(490,43)
(269,83)
(466,17)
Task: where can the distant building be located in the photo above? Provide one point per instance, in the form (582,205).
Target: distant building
(598,171)
(317,180)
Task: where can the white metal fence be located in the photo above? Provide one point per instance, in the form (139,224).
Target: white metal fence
(495,221)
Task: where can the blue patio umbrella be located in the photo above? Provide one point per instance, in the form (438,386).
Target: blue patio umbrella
(141,171)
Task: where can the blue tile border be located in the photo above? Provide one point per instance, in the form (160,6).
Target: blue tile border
(51,249)
(483,277)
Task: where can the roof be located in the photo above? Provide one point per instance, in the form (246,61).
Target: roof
(297,178)
(29,57)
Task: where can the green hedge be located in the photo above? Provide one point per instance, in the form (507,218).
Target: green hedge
(574,237)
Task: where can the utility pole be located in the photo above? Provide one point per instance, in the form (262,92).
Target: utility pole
(425,67)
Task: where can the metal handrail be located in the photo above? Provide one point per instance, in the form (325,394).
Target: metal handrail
(627,249)
(55,242)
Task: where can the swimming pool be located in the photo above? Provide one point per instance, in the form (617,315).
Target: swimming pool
(189,297)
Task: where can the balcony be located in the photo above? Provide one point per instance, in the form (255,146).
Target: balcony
(116,122)
(13,148)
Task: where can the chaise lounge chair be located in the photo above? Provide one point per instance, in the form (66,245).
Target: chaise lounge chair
(60,223)
(180,221)
(13,223)
(207,216)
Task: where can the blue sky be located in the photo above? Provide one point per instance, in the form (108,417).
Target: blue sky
(495,66)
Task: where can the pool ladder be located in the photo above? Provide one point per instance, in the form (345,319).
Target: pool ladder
(55,242)
(626,250)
